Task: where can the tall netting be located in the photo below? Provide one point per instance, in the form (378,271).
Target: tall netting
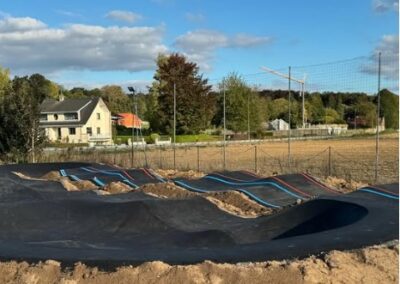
(337,138)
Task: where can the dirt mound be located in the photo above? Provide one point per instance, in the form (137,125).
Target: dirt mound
(343,185)
(169,174)
(117,187)
(53,175)
(237,203)
(166,190)
(375,264)
(232,202)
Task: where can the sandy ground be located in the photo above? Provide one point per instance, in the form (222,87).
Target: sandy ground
(375,264)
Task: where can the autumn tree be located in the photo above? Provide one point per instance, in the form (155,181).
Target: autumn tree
(194,103)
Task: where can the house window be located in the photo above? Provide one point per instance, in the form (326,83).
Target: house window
(72,131)
(55,116)
(98,116)
(43,117)
(98,130)
(89,131)
(71,116)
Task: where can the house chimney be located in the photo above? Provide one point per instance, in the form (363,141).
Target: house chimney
(61,97)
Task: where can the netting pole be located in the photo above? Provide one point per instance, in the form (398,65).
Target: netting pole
(198,158)
(289,131)
(174,126)
(115,155)
(159,158)
(255,158)
(330,161)
(223,86)
(378,113)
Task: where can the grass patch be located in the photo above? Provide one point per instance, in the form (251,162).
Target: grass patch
(197,138)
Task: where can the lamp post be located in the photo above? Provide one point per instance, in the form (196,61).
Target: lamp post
(132,95)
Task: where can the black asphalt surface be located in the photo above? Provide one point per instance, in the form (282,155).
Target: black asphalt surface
(40,220)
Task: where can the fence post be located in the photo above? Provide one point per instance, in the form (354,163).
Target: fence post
(198,158)
(330,161)
(115,154)
(255,158)
(159,158)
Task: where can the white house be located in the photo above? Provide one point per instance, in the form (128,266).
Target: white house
(278,124)
(84,120)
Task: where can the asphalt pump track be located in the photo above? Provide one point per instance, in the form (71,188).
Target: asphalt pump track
(40,220)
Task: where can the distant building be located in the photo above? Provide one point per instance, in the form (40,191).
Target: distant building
(278,124)
(85,120)
(129,120)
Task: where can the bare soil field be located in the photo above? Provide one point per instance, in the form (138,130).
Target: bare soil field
(349,159)
(375,264)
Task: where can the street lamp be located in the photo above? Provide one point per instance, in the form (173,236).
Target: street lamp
(132,95)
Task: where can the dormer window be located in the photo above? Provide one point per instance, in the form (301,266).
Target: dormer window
(43,117)
(71,116)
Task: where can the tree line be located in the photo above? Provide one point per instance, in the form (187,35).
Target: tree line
(199,106)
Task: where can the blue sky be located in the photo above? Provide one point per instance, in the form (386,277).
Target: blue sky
(91,43)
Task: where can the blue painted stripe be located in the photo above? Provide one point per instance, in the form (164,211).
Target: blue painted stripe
(181,183)
(256,183)
(110,174)
(98,181)
(130,183)
(250,195)
(366,189)
(256,199)
(74,177)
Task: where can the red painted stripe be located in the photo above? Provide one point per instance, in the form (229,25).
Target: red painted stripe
(290,186)
(126,173)
(319,184)
(231,178)
(250,173)
(145,171)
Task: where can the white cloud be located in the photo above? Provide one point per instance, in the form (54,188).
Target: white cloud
(124,16)
(194,17)
(389,49)
(381,6)
(200,45)
(28,45)
(10,24)
(244,40)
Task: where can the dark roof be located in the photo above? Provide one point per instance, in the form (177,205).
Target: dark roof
(69,105)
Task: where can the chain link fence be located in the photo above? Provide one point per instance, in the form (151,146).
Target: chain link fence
(347,159)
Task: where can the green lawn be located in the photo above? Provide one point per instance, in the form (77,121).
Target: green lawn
(122,139)
(197,138)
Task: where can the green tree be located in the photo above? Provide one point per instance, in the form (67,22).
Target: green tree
(19,117)
(317,111)
(4,81)
(192,95)
(243,105)
(331,116)
(116,99)
(390,109)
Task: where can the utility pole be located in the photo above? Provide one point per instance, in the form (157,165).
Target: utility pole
(223,87)
(174,126)
(289,132)
(248,116)
(302,82)
(302,103)
(378,113)
(132,94)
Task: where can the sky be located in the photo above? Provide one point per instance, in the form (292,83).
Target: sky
(94,43)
